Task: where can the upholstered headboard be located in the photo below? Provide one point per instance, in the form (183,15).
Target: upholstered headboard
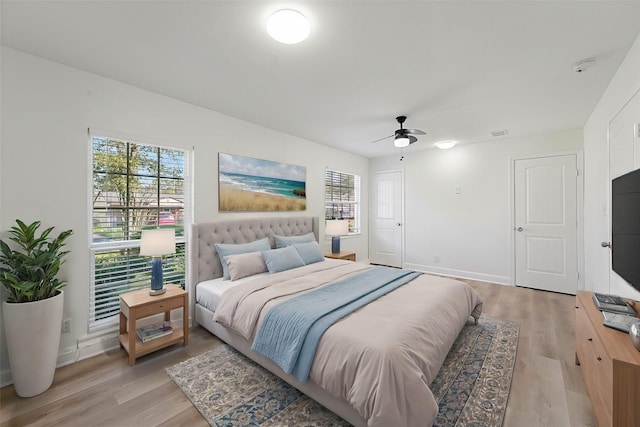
(204,262)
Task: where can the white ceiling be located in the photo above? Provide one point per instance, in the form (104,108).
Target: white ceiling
(457,69)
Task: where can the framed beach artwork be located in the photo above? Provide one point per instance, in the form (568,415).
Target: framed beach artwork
(246,184)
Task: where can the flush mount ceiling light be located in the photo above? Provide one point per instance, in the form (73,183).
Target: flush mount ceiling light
(445,145)
(288,26)
(401,141)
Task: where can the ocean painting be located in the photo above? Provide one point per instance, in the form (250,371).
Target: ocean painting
(246,184)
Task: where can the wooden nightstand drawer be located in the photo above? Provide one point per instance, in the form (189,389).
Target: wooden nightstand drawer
(158,307)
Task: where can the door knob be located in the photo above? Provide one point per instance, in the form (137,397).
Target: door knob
(519,229)
(399,224)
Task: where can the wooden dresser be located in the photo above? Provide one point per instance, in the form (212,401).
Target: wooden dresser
(610,366)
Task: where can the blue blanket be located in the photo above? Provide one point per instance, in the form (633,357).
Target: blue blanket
(291,330)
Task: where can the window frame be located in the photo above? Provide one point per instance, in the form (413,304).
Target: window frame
(127,246)
(355,228)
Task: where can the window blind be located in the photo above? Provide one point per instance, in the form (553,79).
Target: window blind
(124,270)
(134,187)
(342,198)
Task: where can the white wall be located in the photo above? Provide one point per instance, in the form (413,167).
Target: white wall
(621,89)
(46,110)
(470,232)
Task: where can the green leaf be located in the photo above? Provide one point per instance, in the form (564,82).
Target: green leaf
(29,273)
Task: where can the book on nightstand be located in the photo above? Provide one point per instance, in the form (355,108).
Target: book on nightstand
(151,332)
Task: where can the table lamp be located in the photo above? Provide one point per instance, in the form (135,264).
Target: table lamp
(155,243)
(336,228)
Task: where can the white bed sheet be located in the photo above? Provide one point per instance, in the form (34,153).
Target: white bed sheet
(209,292)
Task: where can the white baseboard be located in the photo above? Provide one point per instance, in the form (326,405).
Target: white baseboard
(461,274)
(96,346)
(88,346)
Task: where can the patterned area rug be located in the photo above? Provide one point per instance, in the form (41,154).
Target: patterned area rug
(471,388)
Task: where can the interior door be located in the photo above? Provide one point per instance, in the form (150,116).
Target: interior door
(545,222)
(624,156)
(386,219)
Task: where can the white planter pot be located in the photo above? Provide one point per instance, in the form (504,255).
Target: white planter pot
(32,331)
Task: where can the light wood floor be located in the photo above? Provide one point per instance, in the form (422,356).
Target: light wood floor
(547,387)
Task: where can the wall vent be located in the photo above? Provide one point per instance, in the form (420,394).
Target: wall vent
(496,133)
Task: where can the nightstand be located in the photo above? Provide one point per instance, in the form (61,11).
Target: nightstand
(139,304)
(349,256)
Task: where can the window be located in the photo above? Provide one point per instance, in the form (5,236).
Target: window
(134,187)
(342,198)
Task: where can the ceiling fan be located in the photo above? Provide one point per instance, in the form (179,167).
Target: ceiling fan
(403,137)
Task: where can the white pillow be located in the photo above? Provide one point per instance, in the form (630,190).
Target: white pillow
(243,265)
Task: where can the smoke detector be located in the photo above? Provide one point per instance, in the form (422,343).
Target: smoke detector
(584,65)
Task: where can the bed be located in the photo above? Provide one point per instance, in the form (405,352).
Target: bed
(371,367)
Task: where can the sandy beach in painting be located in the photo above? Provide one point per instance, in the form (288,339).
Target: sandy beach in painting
(237,200)
(246,184)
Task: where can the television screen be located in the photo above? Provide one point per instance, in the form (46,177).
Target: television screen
(625,227)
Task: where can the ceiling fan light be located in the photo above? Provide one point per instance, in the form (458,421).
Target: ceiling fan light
(288,26)
(445,145)
(401,141)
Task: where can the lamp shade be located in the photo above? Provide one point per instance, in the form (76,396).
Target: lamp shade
(158,242)
(337,227)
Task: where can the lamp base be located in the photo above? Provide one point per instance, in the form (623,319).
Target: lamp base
(157,291)
(156,277)
(335,245)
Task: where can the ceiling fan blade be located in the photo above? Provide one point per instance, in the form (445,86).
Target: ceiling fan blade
(405,132)
(381,139)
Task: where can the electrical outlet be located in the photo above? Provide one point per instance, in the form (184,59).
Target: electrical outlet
(66,326)
(436,258)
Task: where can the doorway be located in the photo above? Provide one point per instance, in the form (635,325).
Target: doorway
(624,157)
(546,223)
(386,247)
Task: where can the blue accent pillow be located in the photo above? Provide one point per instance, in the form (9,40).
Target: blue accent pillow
(310,252)
(282,241)
(282,259)
(226,249)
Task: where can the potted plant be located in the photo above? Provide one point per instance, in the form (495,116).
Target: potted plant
(32,311)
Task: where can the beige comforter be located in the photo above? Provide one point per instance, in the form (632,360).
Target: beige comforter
(381,358)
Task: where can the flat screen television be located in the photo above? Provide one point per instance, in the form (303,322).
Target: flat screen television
(625,227)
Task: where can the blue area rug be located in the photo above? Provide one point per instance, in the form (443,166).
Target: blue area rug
(472,387)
